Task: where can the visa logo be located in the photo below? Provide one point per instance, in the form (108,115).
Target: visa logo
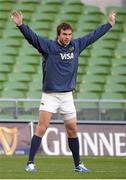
(66,56)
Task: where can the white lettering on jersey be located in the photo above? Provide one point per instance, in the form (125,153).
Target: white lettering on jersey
(66,56)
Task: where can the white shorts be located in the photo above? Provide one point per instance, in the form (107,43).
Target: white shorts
(59,102)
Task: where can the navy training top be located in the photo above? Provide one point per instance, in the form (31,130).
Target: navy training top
(60,63)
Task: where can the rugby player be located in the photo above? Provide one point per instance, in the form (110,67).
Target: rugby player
(59,66)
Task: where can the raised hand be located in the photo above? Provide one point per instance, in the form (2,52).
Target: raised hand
(112,18)
(17,18)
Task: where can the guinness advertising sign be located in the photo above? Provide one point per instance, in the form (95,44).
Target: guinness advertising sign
(95,139)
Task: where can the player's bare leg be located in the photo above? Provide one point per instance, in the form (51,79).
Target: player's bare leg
(71,128)
(43,124)
(44,120)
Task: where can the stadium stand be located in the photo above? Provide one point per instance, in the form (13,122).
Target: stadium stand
(102,67)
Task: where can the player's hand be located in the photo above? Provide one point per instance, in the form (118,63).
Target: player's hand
(112,18)
(17,18)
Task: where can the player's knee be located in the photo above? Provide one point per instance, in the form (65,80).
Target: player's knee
(41,129)
(72,132)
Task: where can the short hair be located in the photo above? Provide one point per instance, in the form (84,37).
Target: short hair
(63,26)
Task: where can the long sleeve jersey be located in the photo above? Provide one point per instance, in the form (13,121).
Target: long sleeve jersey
(60,63)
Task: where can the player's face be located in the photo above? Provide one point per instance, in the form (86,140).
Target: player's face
(65,37)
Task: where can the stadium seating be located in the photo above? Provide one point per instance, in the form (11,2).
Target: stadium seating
(12,94)
(16,76)
(73,3)
(102,66)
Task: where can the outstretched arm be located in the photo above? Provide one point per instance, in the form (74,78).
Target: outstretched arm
(96,34)
(40,43)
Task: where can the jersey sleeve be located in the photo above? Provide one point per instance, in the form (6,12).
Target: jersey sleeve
(40,43)
(93,36)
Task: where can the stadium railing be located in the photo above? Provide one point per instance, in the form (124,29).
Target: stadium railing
(88,110)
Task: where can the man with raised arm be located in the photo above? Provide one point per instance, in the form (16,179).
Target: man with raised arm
(59,66)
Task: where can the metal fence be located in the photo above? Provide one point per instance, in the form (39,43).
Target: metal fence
(87,110)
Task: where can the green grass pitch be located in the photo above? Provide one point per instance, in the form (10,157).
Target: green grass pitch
(61,167)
